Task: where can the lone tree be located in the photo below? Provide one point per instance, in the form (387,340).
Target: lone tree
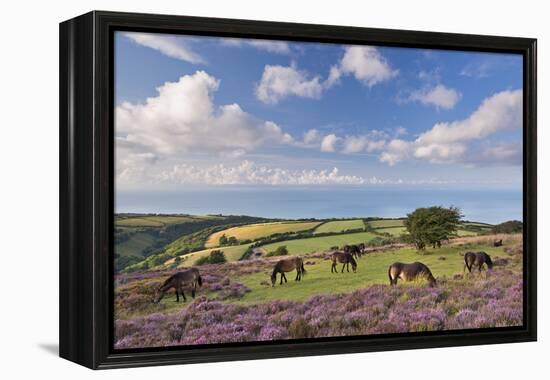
(215,257)
(223,240)
(432,225)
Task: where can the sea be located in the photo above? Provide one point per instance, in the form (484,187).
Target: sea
(482,205)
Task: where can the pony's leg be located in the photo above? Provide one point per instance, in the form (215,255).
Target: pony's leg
(177,295)
(193,290)
(297,275)
(343,265)
(284,275)
(183,295)
(332,268)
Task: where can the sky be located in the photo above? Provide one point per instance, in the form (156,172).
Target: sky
(208,112)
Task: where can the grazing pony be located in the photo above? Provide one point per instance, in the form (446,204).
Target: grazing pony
(410,272)
(288,265)
(190,277)
(477,259)
(354,250)
(345,258)
(497,243)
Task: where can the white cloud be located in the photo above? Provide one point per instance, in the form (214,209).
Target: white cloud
(357,144)
(183,118)
(504,153)
(439,96)
(502,111)
(448,141)
(278,82)
(169,45)
(365,63)
(399,131)
(311,137)
(277,47)
(328,143)
(248,173)
(245,173)
(396,150)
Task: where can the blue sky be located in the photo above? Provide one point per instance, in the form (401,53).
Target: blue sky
(211,112)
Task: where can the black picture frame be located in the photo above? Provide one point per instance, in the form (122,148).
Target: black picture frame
(87,189)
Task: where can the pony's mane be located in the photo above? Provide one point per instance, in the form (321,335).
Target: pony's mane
(167,281)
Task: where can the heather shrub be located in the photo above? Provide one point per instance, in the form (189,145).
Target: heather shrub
(461,301)
(299,328)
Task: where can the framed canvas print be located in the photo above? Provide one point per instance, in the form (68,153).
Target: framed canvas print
(238,189)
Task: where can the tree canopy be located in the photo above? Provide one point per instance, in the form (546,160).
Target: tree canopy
(432,225)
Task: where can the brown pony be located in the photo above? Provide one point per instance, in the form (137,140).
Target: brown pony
(354,250)
(178,281)
(477,259)
(410,272)
(288,265)
(345,258)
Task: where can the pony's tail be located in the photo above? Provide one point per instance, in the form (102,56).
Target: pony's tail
(389,275)
(199,280)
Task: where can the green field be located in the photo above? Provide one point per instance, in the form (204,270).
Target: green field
(319,244)
(154,220)
(135,244)
(384,223)
(256,231)
(232,253)
(371,269)
(340,226)
(394,231)
(478,224)
(462,233)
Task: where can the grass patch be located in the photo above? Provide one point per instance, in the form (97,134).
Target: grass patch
(372,269)
(393,231)
(462,233)
(384,223)
(135,244)
(256,231)
(153,221)
(340,226)
(318,244)
(232,253)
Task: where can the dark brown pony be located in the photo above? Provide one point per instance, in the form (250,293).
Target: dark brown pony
(345,258)
(410,272)
(190,277)
(354,250)
(477,259)
(497,243)
(288,265)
